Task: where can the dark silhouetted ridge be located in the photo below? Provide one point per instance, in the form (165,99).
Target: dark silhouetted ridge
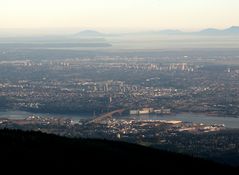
(38,149)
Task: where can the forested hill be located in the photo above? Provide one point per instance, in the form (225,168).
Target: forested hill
(40,150)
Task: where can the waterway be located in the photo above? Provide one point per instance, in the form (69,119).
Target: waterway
(229,122)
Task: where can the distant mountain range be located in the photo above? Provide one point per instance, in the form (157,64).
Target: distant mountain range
(234,30)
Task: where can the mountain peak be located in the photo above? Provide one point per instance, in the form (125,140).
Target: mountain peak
(89,33)
(232,30)
(234,27)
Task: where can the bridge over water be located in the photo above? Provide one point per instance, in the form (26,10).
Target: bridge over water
(107,116)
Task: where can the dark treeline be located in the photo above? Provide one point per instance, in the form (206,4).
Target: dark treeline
(34,148)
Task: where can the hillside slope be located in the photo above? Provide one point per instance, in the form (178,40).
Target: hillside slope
(35,148)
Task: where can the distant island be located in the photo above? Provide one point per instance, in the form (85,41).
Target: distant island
(89,33)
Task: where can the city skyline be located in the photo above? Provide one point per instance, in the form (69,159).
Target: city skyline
(149,84)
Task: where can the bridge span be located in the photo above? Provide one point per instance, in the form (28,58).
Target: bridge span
(107,116)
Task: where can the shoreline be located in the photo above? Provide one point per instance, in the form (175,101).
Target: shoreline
(229,122)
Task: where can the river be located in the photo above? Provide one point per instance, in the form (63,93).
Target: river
(229,122)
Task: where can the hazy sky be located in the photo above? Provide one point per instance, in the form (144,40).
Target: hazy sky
(119,14)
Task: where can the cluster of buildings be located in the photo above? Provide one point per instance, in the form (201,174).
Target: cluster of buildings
(181,66)
(97,86)
(145,111)
(105,86)
(170,135)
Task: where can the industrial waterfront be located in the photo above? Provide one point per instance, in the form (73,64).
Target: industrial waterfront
(229,122)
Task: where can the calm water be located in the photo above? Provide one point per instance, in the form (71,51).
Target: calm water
(194,118)
(188,117)
(22,115)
